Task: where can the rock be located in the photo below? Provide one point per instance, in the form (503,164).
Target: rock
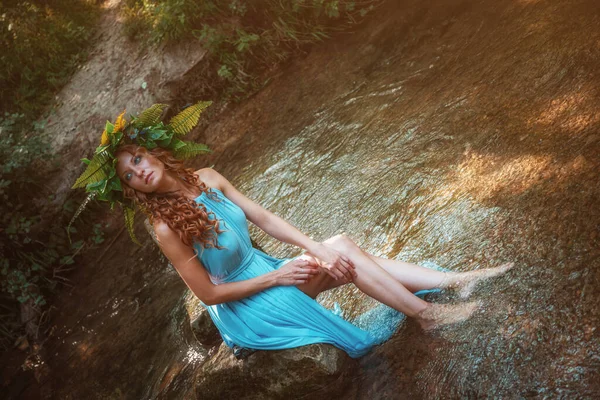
(203,328)
(316,370)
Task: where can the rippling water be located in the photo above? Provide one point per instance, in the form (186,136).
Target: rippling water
(450,147)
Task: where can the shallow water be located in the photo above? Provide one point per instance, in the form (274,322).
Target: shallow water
(464,135)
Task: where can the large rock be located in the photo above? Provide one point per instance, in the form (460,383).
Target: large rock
(204,329)
(315,370)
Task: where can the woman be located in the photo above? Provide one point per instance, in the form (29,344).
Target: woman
(258,301)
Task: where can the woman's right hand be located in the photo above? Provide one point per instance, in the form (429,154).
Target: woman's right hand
(296,272)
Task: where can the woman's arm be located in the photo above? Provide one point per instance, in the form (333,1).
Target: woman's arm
(196,277)
(339,266)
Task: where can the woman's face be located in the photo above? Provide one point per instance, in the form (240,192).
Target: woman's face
(141,171)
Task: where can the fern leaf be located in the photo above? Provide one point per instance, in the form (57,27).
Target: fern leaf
(78,212)
(183,122)
(129,218)
(190,150)
(150,116)
(97,169)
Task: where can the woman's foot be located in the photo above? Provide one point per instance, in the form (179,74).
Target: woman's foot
(465,282)
(438,315)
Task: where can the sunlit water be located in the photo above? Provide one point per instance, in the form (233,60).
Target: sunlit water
(463,162)
(450,135)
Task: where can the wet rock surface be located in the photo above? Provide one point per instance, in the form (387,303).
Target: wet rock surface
(315,371)
(203,328)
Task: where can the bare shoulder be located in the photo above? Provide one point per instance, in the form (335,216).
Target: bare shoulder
(164,233)
(211,177)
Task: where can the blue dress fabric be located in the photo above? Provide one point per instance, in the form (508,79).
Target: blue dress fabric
(280,317)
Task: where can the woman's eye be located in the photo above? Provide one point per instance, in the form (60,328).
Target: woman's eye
(137,160)
(128,176)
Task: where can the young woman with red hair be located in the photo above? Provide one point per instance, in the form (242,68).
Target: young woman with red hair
(258,301)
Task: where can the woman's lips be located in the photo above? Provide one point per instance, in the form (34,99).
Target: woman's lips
(148,177)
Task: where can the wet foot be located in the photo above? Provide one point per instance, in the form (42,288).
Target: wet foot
(465,282)
(438,315)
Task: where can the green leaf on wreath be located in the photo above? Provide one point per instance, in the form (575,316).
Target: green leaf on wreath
(79,210)
(190,150)
(96,170)
(185,121)
(177,144)
(158,134)
(129,219)
(116,138)
(150,116)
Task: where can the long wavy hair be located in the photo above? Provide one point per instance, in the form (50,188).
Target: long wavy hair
(184,216)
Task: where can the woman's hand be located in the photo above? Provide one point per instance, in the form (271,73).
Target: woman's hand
(334,263)
(296,272)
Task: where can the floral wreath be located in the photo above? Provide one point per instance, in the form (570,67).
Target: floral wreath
(100,177)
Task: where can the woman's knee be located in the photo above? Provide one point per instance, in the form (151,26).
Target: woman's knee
(342,242)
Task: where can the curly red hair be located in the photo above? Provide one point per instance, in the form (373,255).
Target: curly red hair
(184,216)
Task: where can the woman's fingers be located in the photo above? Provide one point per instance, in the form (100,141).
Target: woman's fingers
(344,269)
(349,267)
(308,269)
(341,269)
(330,272)
(349,262)
(304,263)
(334,272)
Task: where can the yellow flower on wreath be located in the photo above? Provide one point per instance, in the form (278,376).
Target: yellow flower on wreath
(105,139)
(120,122)
(119,125)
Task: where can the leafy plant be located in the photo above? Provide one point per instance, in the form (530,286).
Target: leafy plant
(35,254)
(42,44)
(244,38)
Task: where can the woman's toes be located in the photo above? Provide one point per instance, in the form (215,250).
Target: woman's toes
(505,267)
(467,288)
(439,315)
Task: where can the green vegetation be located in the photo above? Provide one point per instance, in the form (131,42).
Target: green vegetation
(35,253)
(42,44)
(244,38)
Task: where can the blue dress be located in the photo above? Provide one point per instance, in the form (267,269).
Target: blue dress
(280,317)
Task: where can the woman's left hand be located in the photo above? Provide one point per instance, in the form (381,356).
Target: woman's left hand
(334,263)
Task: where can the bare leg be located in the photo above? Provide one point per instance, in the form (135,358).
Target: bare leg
(416,278)
(413,276)
(376,282)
